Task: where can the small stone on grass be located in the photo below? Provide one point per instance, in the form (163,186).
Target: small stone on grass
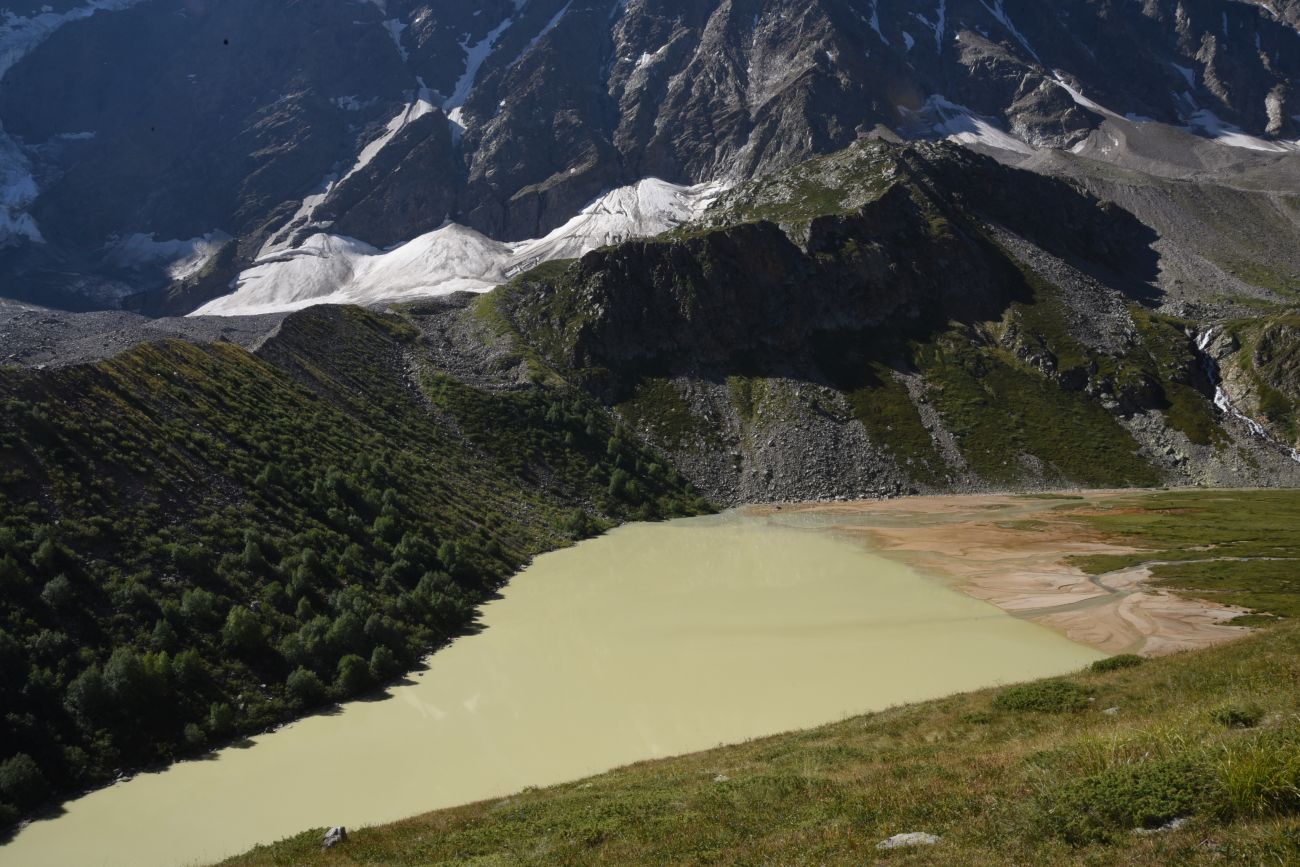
(915,838)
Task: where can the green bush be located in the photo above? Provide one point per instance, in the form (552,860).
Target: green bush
(383,664)
(304,688)
(21,782)
(1053,696)
(242,632)
(353,676)
(1115,663)
(1238,716)
(1144,795)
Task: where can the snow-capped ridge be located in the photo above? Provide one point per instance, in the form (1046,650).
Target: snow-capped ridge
(333,269)
(1208,123)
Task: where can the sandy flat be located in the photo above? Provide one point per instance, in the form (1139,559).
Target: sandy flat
(1011,551)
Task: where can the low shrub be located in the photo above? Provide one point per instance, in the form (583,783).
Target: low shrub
(1236,716)
(1115,663)
(1123,798)
(1052,696)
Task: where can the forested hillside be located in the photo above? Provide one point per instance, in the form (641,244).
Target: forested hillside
(198,543)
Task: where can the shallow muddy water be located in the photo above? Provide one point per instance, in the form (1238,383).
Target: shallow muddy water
(654,640)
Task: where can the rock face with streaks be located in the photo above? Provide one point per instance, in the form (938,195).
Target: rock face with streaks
(171,120)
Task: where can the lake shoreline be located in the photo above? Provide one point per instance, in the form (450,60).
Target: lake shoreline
(1010,550)
(650,641)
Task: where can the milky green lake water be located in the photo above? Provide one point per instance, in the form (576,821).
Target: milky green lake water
(654,640)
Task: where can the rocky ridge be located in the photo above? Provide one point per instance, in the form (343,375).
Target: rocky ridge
(381,120)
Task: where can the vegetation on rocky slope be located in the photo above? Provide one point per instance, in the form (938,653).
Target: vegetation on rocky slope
(973,333)
(1270,359)
(197,543)
(1190,759)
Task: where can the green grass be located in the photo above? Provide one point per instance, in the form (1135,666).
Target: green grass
(1047,696)
(836,184)
(1116,663)
(1208,533)
(999,410)
(1000,785)
(1172,362)
(1257,274)
(886,410)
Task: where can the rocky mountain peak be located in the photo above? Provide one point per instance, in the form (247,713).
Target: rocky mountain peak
(380,121)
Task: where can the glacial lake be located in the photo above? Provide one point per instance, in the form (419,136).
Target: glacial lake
(653,640)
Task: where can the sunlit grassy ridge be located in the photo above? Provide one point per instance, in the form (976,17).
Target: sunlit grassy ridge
(1063,771)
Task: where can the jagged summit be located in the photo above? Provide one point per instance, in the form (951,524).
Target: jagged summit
(136,131)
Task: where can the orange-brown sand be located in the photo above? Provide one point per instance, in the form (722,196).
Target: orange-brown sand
(1010,551)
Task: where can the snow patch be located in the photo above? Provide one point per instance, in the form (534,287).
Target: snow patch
(475,55)
(640,210)
(648,59)
(179,258)
(331,269)
(1079,98)
(1187,73)
(395,27)
(1207,122)
(1000,14)
(875,21)
(940,116)
(414,110)
(908,40)
(303,217)
(18,36)
(550,25)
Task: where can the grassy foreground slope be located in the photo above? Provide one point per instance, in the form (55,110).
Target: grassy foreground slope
(1001,783)
(1063,771)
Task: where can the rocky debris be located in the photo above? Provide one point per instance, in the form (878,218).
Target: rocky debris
(722,778)
(466,345)
(1171,825)
(36,337)
(904,841)
(333,837)
(959,475)
(1111,711)
(799,442)
(1097,314)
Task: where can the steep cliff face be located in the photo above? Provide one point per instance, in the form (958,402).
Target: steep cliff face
(915,254)
(163,120)
(956,324)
